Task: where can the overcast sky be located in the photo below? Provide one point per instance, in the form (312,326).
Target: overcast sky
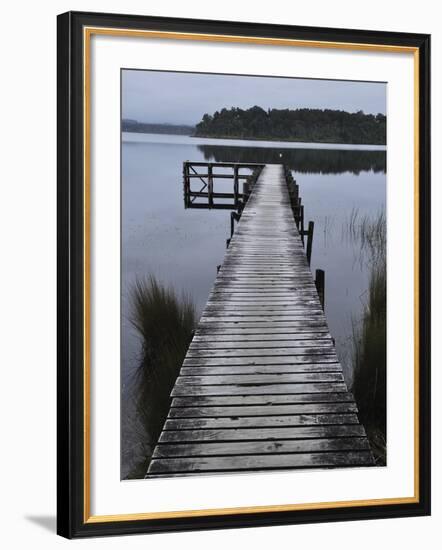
(183,98)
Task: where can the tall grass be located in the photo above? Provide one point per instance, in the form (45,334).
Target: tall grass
(371,233)
(370,336)
(165,323)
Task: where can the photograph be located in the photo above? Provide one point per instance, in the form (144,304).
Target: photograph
(253,274)
(243,273)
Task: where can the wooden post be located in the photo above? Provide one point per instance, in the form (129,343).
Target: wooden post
(234,217)
(210,184)
(311,226)
(301,219)
(186,181)
(246,189)
(235,185)
(297,212)
(320,285)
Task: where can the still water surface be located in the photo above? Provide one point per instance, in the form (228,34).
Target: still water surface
(183,247)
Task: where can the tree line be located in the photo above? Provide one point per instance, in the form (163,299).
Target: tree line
(130,125)
(307,125)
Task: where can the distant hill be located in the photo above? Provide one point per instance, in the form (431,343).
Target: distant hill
(130,125)
(308,125)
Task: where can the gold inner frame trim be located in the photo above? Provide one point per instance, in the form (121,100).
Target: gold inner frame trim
(87,34)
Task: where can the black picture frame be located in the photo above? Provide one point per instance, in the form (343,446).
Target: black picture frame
(72,516)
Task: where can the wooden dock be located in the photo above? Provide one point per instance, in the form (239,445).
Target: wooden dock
(261,387)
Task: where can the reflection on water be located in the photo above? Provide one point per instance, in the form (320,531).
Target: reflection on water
(315,161)
(183,247)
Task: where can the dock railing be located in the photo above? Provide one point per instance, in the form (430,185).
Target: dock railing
(210,176)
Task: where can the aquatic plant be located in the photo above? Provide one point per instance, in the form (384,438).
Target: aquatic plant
(370,337)
(165,323)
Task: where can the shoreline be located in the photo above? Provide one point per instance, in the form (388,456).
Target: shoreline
(235,142)
(292,141)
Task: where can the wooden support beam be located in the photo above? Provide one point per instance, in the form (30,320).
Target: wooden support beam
(320,286)
(210,185)
(301,220)
(234,217)
(186,181)
(311,226)
(235,185)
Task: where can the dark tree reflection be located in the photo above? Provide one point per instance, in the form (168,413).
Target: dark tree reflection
(314,161)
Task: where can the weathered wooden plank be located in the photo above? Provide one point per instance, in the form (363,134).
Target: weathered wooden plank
(293,291)
(275,314)
(252,265)
(268,399)
(256,379)
(262,310)
(261,352)
(227,327)
(262,291)
(267,320)
(282,339)
(258,277)
(232,339)
(260,421)
(257,434)
(244,448)
(258,360)
(286,255)
(288,284)
(261,389)
(260,462)
(236,265)
(260,369)
(302,278)
(302,345)
(253,303)
(262,410)
(253,330)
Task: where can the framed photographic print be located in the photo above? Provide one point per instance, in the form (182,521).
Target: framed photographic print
(243,274)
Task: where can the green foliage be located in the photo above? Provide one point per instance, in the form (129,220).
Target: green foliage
(165,323)
(370,338)
(308,125)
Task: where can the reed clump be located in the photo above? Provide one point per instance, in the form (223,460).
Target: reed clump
(370,336)
(165,323)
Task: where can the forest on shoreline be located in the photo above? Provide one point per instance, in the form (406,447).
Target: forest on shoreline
(306,125)
(130,125)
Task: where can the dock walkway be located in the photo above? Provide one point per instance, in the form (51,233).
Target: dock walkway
(261,386)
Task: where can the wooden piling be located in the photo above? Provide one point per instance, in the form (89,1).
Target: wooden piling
(210,185)
(186,181)
(320,285)
(311,226)
(301,220)
(235,185)
(234,217)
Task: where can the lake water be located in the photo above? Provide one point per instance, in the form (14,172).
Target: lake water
(183,247)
